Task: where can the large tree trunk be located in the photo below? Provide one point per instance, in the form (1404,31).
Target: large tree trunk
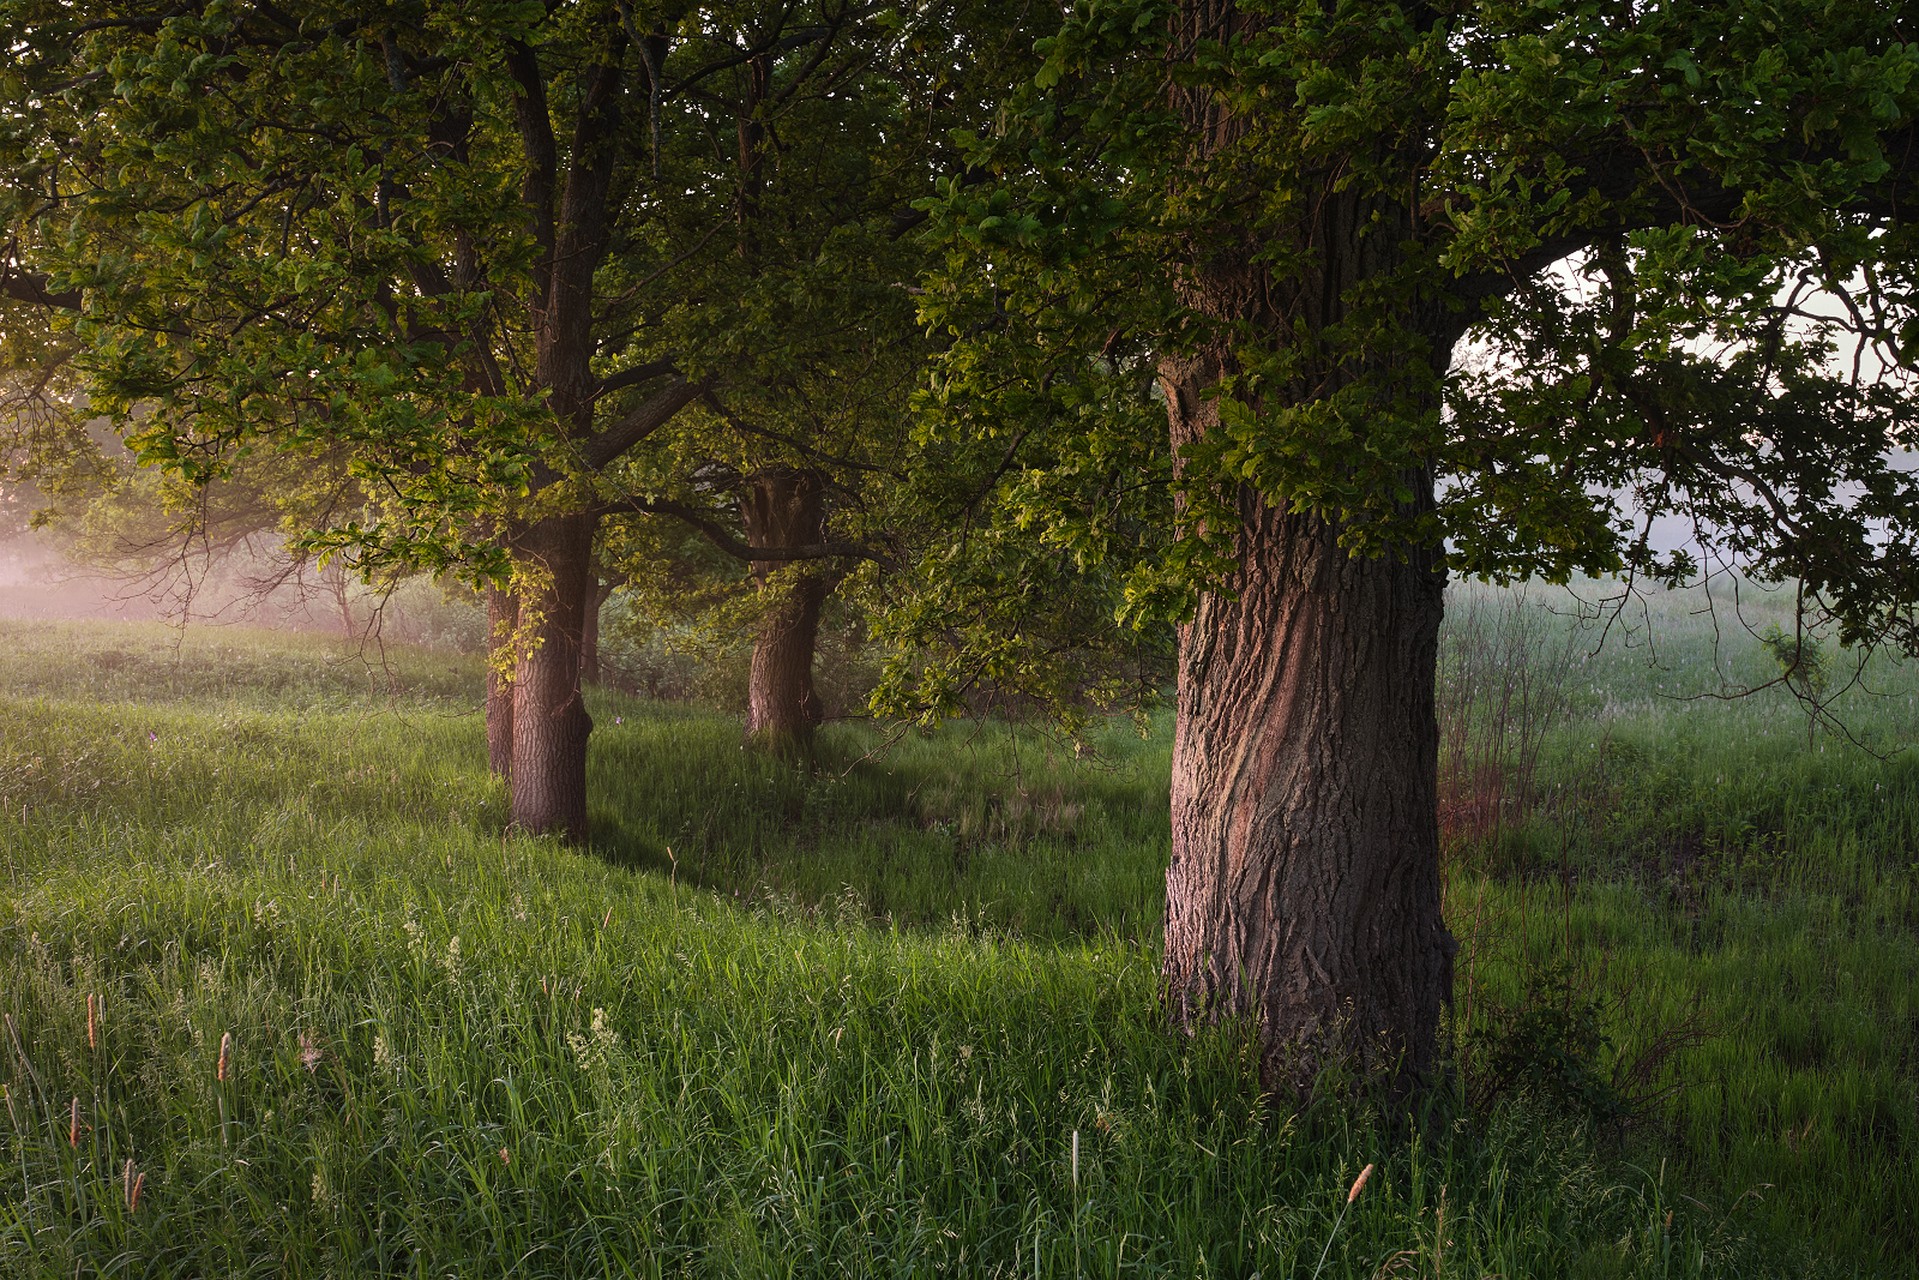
(550,723)
(784,508)
(1303,891)
(502,619)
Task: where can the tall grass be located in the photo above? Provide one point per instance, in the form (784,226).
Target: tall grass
(849,1021)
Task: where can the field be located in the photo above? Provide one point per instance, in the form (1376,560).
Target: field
(280,998)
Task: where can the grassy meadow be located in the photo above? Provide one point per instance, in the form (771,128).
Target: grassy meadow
(281,998)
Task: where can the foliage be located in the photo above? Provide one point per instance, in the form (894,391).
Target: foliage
(1574,265)
(1804,661)
(338,232)
(1549,1047)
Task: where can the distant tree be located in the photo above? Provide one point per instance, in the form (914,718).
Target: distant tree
(1674,237)
(813,466)
(491,251)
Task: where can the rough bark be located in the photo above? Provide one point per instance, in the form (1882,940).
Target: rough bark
(502,618)
(554,554)
(785,507)
(1303,891)
(550,722)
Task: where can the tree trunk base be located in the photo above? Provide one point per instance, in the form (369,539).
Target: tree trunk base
(1303,891)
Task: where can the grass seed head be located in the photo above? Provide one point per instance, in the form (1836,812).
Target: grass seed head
(226,1051)
(1359,1184)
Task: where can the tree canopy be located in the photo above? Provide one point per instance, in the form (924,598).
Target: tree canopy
(1667,242)
(1249,317)
(1478,287)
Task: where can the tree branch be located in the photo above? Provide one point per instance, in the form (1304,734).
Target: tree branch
(633,377)
(720,536)
(642,422)
(31,286)
(542,163)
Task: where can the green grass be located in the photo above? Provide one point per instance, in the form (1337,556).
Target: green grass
(848,1021)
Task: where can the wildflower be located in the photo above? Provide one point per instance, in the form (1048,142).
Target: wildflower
(310,1054)
(597,1047)
(505,1156)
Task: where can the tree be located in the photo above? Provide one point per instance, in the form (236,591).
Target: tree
(814,467)
(1299,215)
(489,250)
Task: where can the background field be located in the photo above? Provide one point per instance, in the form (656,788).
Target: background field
(849,1021)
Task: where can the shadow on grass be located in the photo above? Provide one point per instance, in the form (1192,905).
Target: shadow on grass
(992,824)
